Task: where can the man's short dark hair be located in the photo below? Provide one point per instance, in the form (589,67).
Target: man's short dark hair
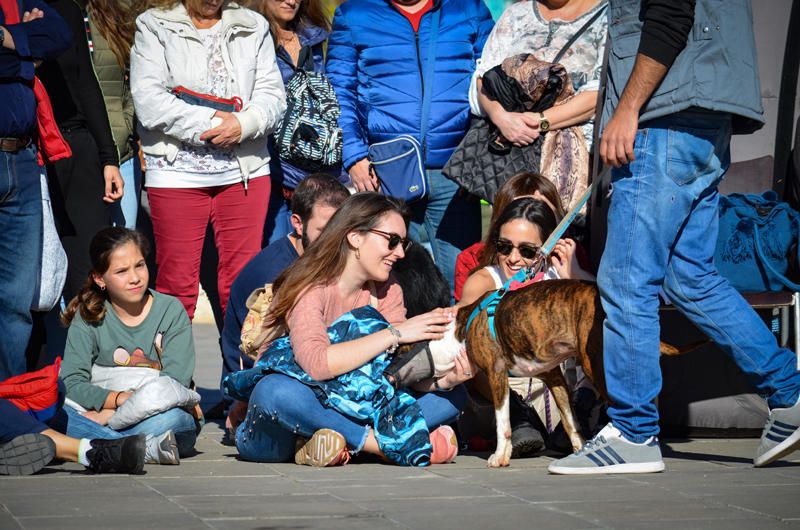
(317,188)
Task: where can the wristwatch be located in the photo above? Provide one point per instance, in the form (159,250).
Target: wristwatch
(544,123)
(2,35)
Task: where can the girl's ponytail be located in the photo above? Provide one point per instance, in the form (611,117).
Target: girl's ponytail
(90,302)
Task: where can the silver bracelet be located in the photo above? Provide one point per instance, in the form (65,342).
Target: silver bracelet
(396,336)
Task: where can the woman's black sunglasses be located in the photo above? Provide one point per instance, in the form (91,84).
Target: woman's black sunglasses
(506,247)
(393,239)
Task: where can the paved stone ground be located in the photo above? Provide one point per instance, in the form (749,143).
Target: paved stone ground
(709,484)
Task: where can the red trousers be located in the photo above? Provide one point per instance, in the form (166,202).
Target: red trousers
(180,217)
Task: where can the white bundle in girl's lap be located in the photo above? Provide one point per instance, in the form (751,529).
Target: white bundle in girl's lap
(156,396)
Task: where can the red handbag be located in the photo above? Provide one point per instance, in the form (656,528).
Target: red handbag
(51,143)
(233,104)
(35,392)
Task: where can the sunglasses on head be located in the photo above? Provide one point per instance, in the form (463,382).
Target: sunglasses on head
(393,239)
(526,250)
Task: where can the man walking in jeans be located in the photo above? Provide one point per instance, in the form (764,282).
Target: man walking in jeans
(377,54)
(41,34)
(682,77)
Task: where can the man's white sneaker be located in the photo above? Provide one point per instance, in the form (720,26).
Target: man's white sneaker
(781,435)
(610,452)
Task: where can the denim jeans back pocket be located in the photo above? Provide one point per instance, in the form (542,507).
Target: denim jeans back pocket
(691,153)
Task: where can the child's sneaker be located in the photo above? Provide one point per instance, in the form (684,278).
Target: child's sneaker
(445,445)
(610,452)
(123,455)
(26,454)
(781,435)
(325,448)
(162,449)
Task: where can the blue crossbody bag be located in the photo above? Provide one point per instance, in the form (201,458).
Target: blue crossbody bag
(399,163)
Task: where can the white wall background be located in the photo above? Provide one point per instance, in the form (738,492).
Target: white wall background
(771,21)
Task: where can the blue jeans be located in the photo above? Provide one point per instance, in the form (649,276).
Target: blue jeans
(278,223)
(177,420)
(451,218)
(662,231)
(282,407)
(126,211)
(20,254)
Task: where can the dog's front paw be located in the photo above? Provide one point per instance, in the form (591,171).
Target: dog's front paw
(498,460)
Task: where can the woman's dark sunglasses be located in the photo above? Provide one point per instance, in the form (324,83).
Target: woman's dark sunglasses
(506,247)
(393,239)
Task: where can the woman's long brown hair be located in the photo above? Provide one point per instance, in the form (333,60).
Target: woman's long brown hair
(325,259)
(91,300)
(116,22)
(310,12)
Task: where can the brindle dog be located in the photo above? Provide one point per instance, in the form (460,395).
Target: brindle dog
(538,327)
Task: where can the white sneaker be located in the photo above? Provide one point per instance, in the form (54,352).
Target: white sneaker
(610,452)
(781,435)
(162,449)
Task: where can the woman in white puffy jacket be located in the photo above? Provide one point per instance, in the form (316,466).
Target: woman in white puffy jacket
(204,164)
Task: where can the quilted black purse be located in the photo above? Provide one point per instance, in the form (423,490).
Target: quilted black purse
(481,169)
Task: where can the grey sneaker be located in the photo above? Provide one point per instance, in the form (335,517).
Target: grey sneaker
(781,435)
(162,450)
(26,454)
(610,452)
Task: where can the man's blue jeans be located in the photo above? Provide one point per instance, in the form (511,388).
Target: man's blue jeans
(662,231)
(20,254)
(177,420)
(451,218)
(282,408)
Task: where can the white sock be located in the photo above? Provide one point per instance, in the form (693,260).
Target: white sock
(83,448)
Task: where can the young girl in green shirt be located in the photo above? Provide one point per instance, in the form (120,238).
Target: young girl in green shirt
(123,336)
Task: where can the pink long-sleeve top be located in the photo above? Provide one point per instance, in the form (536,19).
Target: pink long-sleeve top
(317,308)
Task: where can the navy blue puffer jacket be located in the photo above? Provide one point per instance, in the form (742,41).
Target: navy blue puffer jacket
(375,64)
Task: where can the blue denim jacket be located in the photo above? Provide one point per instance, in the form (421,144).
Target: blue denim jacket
(45,38)
(716,71)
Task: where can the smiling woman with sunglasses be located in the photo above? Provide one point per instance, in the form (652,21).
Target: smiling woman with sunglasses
(514,239)
(347,267)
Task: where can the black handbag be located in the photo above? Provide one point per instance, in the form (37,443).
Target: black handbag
(480,168)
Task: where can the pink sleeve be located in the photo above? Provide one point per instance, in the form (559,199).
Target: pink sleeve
(308,334)
(390,301)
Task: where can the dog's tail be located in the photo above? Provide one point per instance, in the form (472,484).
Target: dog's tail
(670,350)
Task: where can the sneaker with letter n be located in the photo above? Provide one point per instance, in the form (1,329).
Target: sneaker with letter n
(325,448)
(781,435)
(610,452)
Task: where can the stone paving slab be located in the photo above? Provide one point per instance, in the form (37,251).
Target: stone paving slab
(709,484)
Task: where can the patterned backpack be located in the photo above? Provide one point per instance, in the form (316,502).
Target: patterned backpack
(309,136)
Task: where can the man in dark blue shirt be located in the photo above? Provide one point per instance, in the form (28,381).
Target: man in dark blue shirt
(314,202)
(41,34)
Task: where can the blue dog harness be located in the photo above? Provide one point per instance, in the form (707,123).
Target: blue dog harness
(525,274)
